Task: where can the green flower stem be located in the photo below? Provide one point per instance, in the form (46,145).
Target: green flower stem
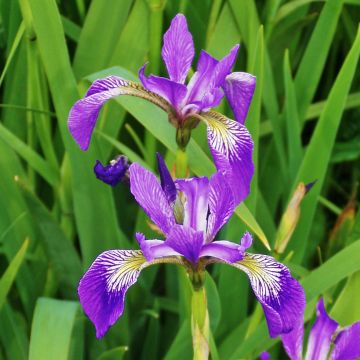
(181,164)
(200,323)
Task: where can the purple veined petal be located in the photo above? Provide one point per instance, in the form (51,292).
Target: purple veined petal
(178,49)
(224,250)
(264,356)
(239,88)
(170,90)
(221,205)
(113,173)
(154,249)
(347,343)
(103,287)
(196,191)
(151,197)
(186,241)
(293,341)
(231,146)
(280,295)
(320,335)
(167,183)
(83,115)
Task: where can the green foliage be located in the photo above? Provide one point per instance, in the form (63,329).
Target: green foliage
(56,217)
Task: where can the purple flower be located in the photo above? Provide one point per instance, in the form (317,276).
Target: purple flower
(113,173)
(326,341)
(186,105)
(189,212)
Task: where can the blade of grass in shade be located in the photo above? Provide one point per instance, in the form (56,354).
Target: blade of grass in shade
(147,114)
(341,265)
(181,346)
(317,156)
(114,354)
(71,29)
(253,118)
(9,276)
(60,251)
(95,215)
(51,329)
(48,172)
(313,60)
(294,149)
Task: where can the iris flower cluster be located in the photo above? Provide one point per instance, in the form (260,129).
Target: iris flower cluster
(190,212)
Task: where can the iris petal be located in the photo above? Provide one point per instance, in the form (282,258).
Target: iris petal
(231,146)
(347,343)
(103,287)
(293,341)
(280,295)
(167,183)
(83,115)
(149,194)
(178,49)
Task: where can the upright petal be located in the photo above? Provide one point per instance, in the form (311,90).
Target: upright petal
(171,91)
(221,205)
(231,146)
(186,241)
(83,115)
(239,88)
(103,287)
(347,344)
(113,173)
(167,183)
(196,191)
(178,49)
(320,335)
(149,194)
(280,295)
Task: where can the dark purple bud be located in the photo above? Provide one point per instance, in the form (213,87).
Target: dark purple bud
(310,185)
(113,173)
(167,182)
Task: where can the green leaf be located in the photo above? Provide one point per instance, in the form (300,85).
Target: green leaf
(114,354)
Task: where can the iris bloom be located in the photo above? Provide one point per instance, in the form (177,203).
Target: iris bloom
(186,105)
(189,212)
(326,341)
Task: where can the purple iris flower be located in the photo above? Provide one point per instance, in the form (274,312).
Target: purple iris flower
(189,212)
(113,173)
(186,105)
(326,341)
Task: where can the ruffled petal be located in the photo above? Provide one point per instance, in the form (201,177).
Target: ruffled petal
(173,92)
(196,191)
(186,241)
(178,49)
(347,344)
(280,295)
(151,197)
(239,88)
(154,249)
(83,115)
(221,205)
(320,335)
(113,173)
(103,287)
(231,146)
(167,183)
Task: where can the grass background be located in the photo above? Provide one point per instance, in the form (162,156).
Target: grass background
(55,217)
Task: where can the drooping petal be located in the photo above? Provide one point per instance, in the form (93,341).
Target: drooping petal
(320,334)
(231,146)
(347,343)
(293,341)
(196,191)
(239,88)
(178,49)
(103,287)
(186,241)
(83,115)
(221,205)
(280,295)
(113,173)
(170,90)
(264,356)
(167,183)
(224,250)
(154,249)
(149,194)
